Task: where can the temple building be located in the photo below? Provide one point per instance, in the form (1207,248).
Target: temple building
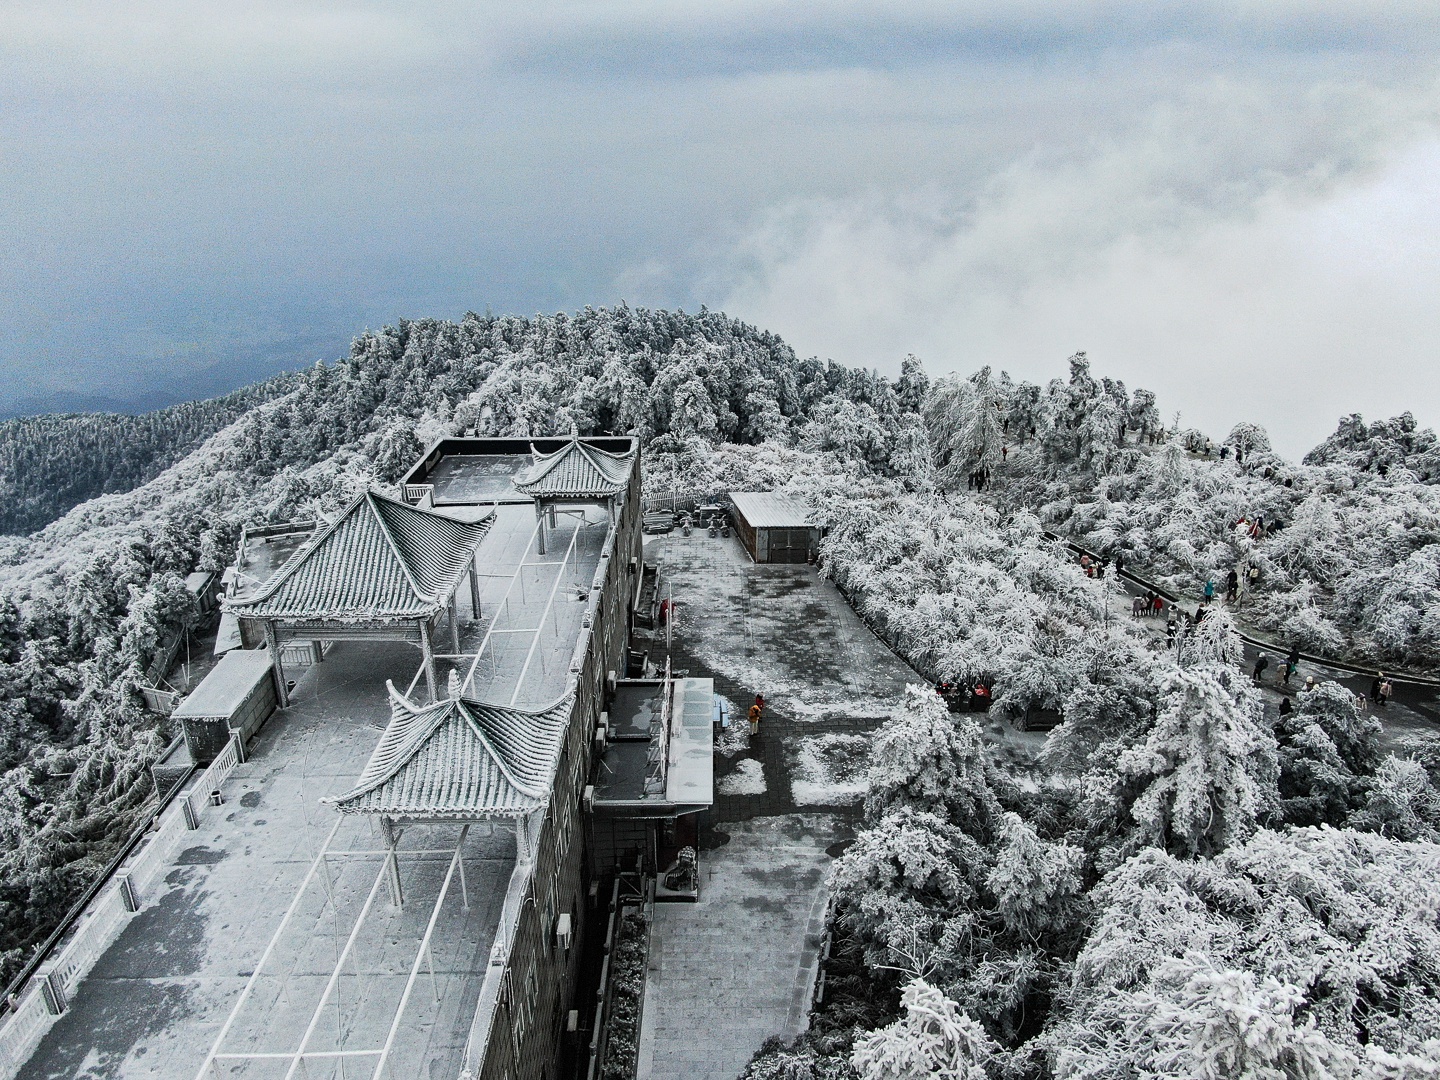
(394,872)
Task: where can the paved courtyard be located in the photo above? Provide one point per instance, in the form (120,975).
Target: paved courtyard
(738,967)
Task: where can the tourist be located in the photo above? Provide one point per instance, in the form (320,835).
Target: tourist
(1261,663)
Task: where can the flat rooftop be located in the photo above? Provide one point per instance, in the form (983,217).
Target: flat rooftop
(265,552)
(532,607)
(156,1000)
(631,771)
(227,685)
(476,478)
(474,470)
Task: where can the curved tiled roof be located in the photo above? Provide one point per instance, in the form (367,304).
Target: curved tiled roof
(381,559)
(575,471)
(459,759)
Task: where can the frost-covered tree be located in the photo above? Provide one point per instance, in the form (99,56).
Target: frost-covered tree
(904,887)
(932,1038)
(158,615)
(1293,935)
(1208,767)
(965,418)
(912,385)
(1402,803)
(1394,444)
(1036,884)
(1214,641)
(1248,439)
(852,431)
(1145,415)
(1193,1019)
(926,759)
(1326,750)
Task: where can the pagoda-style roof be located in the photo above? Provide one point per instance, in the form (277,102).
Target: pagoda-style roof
(380,560)
(459,759)
(575,471)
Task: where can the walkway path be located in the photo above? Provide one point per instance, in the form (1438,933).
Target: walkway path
(1410,721)
(737,967)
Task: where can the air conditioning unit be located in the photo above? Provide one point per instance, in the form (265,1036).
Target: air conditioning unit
(587,800)
(602,738)
(564,935)
(572,1021)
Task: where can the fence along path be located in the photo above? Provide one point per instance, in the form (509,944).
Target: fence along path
(48,993)
(1250,637)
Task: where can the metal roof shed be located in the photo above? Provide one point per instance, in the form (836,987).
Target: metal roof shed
(774,527)
(235,698)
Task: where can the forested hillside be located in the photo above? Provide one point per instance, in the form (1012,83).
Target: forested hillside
(90,599)
(49,464)
(1183,881)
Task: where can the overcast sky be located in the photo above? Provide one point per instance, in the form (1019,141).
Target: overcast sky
(1235,204)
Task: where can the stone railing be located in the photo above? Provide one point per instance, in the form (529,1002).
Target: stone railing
(35,1007)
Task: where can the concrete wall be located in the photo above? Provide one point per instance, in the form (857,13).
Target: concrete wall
(616,842)
(519,1029)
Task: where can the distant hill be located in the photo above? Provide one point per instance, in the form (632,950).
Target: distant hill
(51,463)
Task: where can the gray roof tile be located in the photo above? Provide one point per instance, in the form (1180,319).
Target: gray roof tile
(381,559)
(459,759)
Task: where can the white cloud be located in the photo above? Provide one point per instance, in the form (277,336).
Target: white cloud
(1244,255)
(867,176)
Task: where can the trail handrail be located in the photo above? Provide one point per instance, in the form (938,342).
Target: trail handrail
(1249,638)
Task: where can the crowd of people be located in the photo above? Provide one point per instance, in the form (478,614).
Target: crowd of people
(1152,604)
(974,696)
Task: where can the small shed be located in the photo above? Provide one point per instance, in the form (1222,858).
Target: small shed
(235,698)
(775,528)
(205,587)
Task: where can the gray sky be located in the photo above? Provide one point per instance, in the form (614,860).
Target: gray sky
(1235,204)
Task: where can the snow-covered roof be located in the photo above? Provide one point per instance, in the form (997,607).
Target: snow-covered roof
(227,685)
(771,510)
(381,559)
(575,471)
(459,759)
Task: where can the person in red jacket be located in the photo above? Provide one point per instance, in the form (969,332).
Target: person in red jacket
(980,698)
